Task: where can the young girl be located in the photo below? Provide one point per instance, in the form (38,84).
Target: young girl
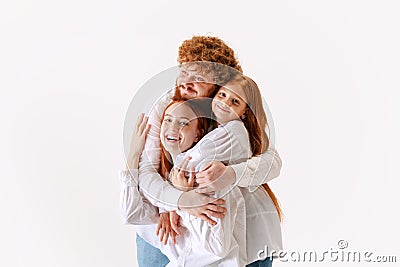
(199,243)
(239,112)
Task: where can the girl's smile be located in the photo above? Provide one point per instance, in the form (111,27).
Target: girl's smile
(229,103)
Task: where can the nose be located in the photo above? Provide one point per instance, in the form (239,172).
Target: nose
(226,101)
(174,127)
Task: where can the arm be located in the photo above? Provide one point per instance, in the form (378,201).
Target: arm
(135,209)
(228,144)
(259,169)
(251,173)
(158,191)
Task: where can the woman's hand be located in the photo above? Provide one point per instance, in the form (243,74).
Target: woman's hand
(178,179)
(164,229)
(216,176)
(175,221)
(138,140)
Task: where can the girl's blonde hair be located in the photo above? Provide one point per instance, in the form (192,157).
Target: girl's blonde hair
(255,121)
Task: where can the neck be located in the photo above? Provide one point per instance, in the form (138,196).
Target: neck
(172,156)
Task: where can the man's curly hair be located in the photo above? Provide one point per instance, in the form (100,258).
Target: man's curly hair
(210,49)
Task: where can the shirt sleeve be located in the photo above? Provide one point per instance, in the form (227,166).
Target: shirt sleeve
(158,191)
(228,145)
(135,209)
(258,170)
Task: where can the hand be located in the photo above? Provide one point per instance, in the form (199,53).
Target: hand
(178,179)
(214,177)
(175,221)
(138,140)
(164,229)
(202,206)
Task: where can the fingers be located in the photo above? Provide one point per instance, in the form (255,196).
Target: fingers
(158,227)
(139,121)
(175,227)
(173,236)
(166,235)
(219,215)
(216,208)
(205,190)
(217,201)
(191,177)
(207,219)
(143,124)
(147,130)
(185,163)
(207,167)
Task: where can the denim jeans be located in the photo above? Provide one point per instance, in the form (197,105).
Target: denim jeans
(149,256)
(261,263)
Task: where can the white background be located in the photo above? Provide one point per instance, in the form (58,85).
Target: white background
(69,69)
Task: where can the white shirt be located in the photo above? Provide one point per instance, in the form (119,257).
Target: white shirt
(251,173)
(135,209)
(200,244)
(254,172)
(229,143)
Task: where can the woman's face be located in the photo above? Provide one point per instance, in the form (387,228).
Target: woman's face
(178,129)
(229,103)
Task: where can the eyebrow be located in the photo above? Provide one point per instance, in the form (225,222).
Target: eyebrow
(168,115)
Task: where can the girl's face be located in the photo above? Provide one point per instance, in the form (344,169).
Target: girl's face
(178,129)
(229,103)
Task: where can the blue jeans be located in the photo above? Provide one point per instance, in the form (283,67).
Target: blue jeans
(261,263)
(149,256)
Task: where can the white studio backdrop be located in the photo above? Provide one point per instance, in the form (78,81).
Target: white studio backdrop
(328,70)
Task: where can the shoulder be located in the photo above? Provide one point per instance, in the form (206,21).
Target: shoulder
(164,101)
(235,127)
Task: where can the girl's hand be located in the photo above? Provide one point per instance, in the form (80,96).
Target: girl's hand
(178,179)
(175,221)
(164,229)
(216,176)
(138,141)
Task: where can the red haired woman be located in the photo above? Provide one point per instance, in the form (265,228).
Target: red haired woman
(199,244)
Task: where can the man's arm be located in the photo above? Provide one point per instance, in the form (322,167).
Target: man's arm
(135,209)
(259,169)
(158,191)
(251,173)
